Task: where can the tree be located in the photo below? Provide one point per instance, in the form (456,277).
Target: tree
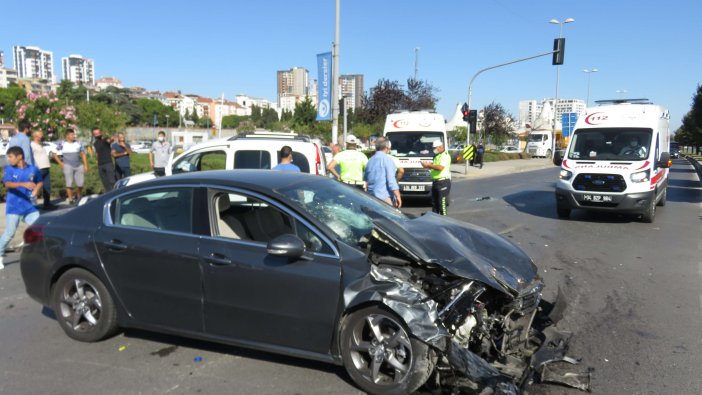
(255,114)
(96,114)
(233,121)
(458,135)
(286,116)
(389,96)
(46,112)
(497,123)
(165,115)
(10,98)
(421,95)
(690,132)
(269,117)
(195,118)
(304,115)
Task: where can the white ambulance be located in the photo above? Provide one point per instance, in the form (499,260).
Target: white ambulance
(412,134)
(617,160)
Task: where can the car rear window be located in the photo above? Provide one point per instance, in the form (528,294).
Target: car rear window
(252,159)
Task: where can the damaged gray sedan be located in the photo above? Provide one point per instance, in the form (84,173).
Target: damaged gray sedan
(298,265)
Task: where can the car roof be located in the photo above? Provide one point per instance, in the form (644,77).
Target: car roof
(255,179)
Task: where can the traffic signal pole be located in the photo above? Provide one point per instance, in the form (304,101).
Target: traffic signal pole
(470,85)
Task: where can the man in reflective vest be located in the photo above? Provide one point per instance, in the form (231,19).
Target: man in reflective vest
(441,178)
(352,163)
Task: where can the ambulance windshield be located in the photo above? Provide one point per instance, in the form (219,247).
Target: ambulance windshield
(413,144)
(621,144)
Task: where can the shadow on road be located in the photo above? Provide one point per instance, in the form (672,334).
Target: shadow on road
(178,341)
(543,204)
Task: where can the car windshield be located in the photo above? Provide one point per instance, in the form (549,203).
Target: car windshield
(413,144)
(348,212)
(536,138)
(610,144)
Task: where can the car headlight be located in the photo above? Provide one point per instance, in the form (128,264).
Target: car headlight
(565,175)
(642,176)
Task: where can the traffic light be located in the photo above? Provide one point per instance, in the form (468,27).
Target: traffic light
(464,110)
(558,51)
(472,121)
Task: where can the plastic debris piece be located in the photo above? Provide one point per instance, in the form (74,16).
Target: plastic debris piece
(122,348)
(198,359)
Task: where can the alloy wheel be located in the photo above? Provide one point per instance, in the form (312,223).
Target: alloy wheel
(80,305)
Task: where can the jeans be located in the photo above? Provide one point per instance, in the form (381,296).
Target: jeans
(107,175)
(46,179)
(122,171)
(12,221)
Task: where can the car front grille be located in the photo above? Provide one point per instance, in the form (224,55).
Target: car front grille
(417,175)
(599,183)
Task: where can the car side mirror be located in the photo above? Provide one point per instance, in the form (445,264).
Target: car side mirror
(287,245)
(558,157)
(665,161)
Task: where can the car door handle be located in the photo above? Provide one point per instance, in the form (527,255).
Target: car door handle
(217,260)
(116,245)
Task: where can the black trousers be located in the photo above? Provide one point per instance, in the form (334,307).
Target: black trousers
(107,175)
(440,190)
(46,188)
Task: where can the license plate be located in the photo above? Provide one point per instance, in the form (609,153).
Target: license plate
(413,188)
(597,198)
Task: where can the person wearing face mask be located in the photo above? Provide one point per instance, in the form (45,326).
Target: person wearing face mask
(159,154)
(441,178)
(634,148)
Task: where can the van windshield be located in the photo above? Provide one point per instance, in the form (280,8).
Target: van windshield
(536,138)
(413,144)
(611,144)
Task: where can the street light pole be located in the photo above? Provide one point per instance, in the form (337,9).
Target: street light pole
(416,62)
(343,105)
(335,77)
(558,79)
(589,74)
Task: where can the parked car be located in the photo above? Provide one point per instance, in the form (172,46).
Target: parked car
(294,264)
(327,153)
(4,145)
(250,151)
(52,147)
(509,150)
(141,147)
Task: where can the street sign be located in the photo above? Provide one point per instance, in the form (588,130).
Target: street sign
(568,122)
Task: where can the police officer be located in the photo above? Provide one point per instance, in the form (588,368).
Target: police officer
(441,178)
(352,163)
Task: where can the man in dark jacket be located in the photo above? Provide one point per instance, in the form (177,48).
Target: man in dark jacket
(106,168)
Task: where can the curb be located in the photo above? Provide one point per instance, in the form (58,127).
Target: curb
(696,164)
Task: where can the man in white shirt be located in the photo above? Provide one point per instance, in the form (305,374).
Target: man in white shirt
(42,162)
(73,170)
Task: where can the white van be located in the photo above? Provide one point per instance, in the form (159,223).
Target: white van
(412,134)
(259,150)
(539,143)
(617,160)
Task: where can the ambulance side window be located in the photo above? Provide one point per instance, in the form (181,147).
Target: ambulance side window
(658,155)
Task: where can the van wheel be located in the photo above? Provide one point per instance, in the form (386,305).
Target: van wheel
(563,213)
(548,153)
(664,198)
(650,214)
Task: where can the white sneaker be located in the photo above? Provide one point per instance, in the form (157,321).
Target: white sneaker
(2,266)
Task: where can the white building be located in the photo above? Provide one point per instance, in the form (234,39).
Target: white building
(33,63)
(2,59)
(532,110)
(352,88)
(7,76)
(293,82)
(78,69)
(106,82)
(247,102)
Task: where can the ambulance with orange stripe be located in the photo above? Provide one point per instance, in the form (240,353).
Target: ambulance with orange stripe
(617,160)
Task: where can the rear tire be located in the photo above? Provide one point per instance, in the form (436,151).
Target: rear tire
(649,215)
(379,354)
(563,213)
(664,198)
(84,308)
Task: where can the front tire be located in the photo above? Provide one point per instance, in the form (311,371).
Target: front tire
(664,198)
(563,213)
(649,215)
(549,153)
(83,306)
(379,354)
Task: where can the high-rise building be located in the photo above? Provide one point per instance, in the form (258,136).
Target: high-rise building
(352,88)
(78,69)
(33,63)
(293,82)
(2,59)
(530,111)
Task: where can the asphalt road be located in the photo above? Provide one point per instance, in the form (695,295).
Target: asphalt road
(634,292)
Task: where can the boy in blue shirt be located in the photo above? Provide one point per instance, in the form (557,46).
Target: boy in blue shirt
(23,183)
(286,157)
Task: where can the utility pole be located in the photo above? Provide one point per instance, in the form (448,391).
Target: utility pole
(335,77)
(416,63)
(343,105)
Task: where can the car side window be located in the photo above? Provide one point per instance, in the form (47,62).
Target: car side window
(252,159)
(201,161)
(240,217)
(166,209)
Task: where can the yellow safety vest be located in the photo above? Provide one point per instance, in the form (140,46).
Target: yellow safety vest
(442,159)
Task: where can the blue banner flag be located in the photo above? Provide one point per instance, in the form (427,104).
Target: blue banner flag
(324,81)
(568,120)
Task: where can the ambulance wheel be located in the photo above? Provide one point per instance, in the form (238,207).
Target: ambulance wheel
(563,213)
(548,153)
(650,214)
(664,197)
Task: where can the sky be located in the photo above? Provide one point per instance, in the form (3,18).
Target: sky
(650,49)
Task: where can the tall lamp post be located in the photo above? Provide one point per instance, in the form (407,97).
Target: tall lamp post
(589,74)
(558,79)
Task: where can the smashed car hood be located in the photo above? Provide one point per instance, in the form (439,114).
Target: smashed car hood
(463,249)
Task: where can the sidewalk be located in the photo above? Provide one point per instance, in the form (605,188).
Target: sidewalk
(500,168)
